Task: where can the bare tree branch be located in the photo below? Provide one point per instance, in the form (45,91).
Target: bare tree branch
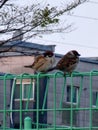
(2,3)
(32,20)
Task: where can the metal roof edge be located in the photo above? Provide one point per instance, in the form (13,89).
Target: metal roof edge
(30,45)
(82,59)
(89,60)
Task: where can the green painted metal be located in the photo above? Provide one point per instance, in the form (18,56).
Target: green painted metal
(71,110)
(90,78)
(56,110)
(63,90)
(27,123)
(29,93)
(46,94)
(80,91)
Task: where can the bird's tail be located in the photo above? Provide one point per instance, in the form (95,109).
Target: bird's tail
(28,66)
(51,69)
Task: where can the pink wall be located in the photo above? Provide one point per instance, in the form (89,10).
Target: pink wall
(16,64)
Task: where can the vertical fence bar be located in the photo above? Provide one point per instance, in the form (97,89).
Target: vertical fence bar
(37,114)
(80,91)
(54,92)
(21,78)
(71,109)
(45,96)
(62,92)
(29,93)
(4,111)
(90,109)
(12,96)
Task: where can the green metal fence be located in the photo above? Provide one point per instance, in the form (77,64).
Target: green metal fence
(86,114)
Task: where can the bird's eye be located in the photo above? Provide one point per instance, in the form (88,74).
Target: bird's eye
(46,56)
(49,56)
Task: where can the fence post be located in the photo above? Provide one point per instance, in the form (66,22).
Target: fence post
(27,123)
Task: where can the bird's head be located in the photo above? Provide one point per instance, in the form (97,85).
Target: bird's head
(48,54)
(74,53)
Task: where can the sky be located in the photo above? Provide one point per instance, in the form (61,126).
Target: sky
(83,36)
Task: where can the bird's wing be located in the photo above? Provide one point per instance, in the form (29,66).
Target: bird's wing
(66,62)
(39,61)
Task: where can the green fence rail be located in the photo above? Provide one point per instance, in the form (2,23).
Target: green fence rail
(80,113)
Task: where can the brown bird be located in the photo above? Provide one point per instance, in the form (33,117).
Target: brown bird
(43,62)
(68,62)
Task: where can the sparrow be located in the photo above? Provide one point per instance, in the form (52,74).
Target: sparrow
(68,62)
(43,62)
